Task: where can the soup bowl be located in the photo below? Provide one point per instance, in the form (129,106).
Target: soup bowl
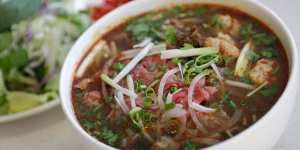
(260,136)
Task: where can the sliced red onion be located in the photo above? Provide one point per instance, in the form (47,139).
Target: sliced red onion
(144,43)
(120,100)
(133,63)
(131,88)
(191,104)
(162,85)
(201,108)
(215,68)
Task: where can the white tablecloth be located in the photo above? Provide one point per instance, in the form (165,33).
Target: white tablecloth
(51,131)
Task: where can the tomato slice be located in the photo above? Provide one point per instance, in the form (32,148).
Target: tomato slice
(106,7)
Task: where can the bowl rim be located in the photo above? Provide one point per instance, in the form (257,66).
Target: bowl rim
(293,64)
(30,112)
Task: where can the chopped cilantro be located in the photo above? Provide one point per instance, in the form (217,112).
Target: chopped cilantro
(109,136)
(263,39)
(88,124)
(251,55)
(118,66)
(216,22)
(269,92)
(247,30)
(190,146)
(170,34)
(199,11)
(269,53)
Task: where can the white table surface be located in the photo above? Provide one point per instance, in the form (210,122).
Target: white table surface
(51,131)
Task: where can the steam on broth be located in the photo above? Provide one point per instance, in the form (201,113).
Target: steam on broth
(185,77)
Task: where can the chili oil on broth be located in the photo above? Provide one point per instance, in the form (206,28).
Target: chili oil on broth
(93,108)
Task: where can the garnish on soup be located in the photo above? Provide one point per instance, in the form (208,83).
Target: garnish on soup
(181,78)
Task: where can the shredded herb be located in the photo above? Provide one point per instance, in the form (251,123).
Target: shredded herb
(263,39)
(88,124)
(226,99)
(251,55)
(247,30)
(216,22)
(199,11)
(146,26)
(173,89)
(170,34)
(139,117)
(109,136)
(269,53)
(270,91)
(190,146)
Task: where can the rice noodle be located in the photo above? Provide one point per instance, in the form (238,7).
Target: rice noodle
(130,84)
(133,63)
(239,84)
(156,49)
(90,58)
(145,42)
(162,85)
(215,68)
(119,97)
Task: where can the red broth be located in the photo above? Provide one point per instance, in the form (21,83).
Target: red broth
(232,104)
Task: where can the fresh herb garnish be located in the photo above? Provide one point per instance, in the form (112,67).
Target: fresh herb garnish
(216,21)
(88,124)
(263,39)
(245,80)
(270,91)
(247,30)
(109,136)
(170,34)
(269,53)
(190,146)
(118,66)
(199,11)
(149,91)
(139,117)
(253,56)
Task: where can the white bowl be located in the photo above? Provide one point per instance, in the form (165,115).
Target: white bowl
(30,112)
(260,136)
